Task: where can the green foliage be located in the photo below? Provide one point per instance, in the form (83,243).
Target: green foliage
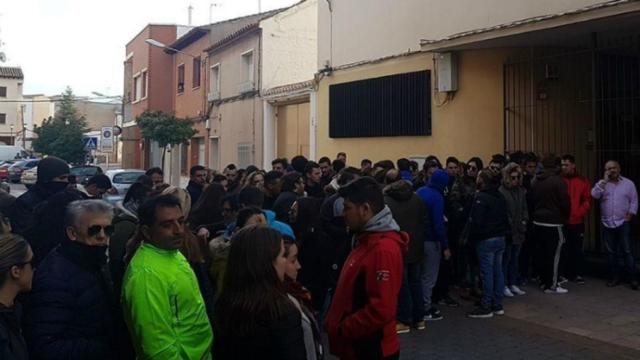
(61,135)
(166,129)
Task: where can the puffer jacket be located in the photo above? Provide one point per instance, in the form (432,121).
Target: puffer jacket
(71,310)
(516,199)
(411,215)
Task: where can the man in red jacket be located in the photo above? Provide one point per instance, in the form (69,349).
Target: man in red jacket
(361,322)
(580,194)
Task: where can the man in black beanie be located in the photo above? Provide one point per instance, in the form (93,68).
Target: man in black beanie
(53,177)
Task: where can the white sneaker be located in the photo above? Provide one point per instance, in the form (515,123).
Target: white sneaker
(557,290)
(516,290)
(507,292)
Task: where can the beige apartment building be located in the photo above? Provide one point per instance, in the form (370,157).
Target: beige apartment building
(11,80)
(471,78)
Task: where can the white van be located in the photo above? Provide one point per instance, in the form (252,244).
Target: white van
(11,152)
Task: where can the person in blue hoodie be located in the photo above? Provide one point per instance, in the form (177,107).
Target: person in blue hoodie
(252,196)
(436,243)
(404,166)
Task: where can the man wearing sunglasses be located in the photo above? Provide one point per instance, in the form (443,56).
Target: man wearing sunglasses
(70,310)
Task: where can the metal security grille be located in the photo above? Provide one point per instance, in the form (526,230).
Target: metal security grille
(584,102)
(245,157)
(396,105)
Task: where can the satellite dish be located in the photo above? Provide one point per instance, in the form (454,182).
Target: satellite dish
(3,57)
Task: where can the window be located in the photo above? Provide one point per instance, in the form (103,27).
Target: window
(181,78)
(196,72)
(144,84)
(137,87)
(215,82)
(3,118)
(244,155)
(3,91)
(396,105)
(247,84)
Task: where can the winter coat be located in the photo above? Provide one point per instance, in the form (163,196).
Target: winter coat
(12,345)
(6,202)
(516,199)
(163,307)
(22,212)
(411,215)
(125,223)
(361,322)
(433,198)
(70,312)
(282,339)
(195,191)
(579,190)
(551,202)
(334,230)
(489,217)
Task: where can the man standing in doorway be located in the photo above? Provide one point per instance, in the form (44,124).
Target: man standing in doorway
(618,203)
(579,193)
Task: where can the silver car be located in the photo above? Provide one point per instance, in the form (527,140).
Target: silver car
(122,179)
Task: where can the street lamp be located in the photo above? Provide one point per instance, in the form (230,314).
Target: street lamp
(160,45)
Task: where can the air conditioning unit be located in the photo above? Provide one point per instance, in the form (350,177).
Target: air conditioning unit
(247,86)
(213,96)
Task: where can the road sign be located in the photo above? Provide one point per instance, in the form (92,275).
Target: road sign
(106,139)
(90,143)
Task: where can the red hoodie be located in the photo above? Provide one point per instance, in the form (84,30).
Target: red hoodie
(580,194)
(361,322)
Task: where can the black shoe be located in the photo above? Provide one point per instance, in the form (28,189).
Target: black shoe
(433,314)
(579,280)
(634,285)
(448,301)
(480,313)
(613,283)
(497,310)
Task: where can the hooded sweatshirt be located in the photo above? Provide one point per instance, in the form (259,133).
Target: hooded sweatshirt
(433,197)
(362,318)
(411,215)
(551,202)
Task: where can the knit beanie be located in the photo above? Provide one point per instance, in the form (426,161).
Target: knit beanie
(50,168)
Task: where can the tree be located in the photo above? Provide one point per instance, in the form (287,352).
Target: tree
(165,129)
(62,134)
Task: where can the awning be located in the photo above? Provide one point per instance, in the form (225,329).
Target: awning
(545,30)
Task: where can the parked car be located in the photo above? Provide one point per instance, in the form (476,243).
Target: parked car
(15,170)
(84,172)
(29,177)
(122,179)
(4,169)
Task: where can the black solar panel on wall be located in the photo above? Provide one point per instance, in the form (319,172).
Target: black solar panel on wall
(396,105)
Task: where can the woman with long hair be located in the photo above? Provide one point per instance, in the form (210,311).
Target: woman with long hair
(208,209)
(254,317)
(16,274)
(256,179)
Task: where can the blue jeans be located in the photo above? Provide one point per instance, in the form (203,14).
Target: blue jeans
(616,243)
(510,264)
(490,252)
(410,306)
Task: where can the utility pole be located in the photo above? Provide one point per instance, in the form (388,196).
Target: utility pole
(24,130)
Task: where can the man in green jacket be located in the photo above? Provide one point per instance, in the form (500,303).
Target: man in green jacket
(162,304)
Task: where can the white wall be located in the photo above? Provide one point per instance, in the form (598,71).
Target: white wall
(12,109)
(289,45)
(359,30)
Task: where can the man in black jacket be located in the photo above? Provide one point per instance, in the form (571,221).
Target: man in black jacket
(53,177)
(551,210)
(198,177)
(70,312)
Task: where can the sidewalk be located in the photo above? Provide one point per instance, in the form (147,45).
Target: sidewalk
(611,315)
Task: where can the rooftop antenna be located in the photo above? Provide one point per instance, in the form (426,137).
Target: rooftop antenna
(211,6)
(190,10)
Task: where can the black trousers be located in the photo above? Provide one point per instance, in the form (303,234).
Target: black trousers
(571,261)
(549,240)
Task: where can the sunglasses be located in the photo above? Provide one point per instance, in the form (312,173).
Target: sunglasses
(518,177)
(21,264)
(94,230)
(472,168)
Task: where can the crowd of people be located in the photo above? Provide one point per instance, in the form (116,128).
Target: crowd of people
(250,263)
